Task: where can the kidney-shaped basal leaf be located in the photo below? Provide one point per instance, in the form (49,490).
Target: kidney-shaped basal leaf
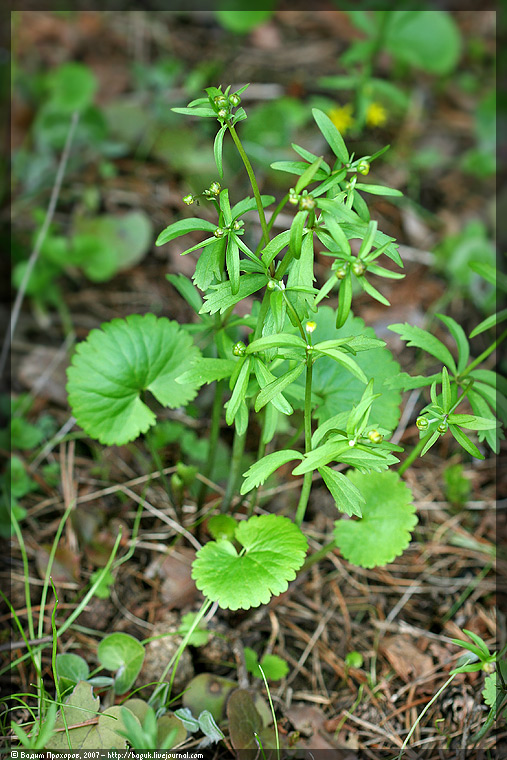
(273,549)
(80,710)
(116,364)
(124,654)
(383,533)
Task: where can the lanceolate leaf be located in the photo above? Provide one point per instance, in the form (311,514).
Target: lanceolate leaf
(221,297)
(232,263)
(273,550)
(270,391)
(239,391)
(459,336)
(183,227)
(333,137)
(207,371)
(347,497)
(188,291)
(301,275)
(116,364)
(383,533)
(420,338)
(218,148)
(465,442)
(261,470)
(344,300)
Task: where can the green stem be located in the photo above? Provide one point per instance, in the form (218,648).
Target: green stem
(414,453)
(271,222)
(238,448)
(261,317)
(284,265)
(483,356)
(160,467)
(307,481)
(260,453)
(216,414)
(318,555)
(253,182)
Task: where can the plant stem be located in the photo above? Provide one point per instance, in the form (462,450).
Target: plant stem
(483,356)
(307,481)
(238,448)
(318,555)
(253,182)
(414,453)
(216,413)
(262,314)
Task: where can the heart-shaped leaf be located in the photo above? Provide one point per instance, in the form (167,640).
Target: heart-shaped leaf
(125,655)
(116,364)
(273,549)
(383,533)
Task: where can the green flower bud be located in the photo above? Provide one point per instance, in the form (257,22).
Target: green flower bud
(188,199)
(358,268)
(341,272)
(293,197)
(375,436)
(442,428)
(220,101)
(271,285)
(239,349)
(237,225)
(363,166)
(215,188)
(422,423)
(222,114)
(219,232)
(307,203)
(234,99)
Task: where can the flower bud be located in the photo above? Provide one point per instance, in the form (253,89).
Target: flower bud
(358,268)
(239,348)
(219,232)
(223,113)
(214,188)
(341,272)
(442,428)
(375,436)
(220,101)
(306,203)
(188,199)
(271,285)
(234,99)
(363,166)
(310,327)
(237,225)
(422,423)
(293,197)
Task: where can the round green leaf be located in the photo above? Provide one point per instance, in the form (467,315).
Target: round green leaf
(383,533)
(116,364)
(273,549)
(122,653)
(429,40)
(72,87)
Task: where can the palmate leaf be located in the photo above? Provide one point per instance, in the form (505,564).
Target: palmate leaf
(116,364)
(383,532)
(273,550)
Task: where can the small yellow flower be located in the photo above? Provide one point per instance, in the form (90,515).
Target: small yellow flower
(376,115)
(342,117)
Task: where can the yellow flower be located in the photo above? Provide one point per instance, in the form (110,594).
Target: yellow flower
(342,117)
(376,115)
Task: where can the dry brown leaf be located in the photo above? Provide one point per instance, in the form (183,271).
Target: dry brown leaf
(405,657)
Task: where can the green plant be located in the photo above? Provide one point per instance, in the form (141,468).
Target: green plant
(344,384)
(427,40)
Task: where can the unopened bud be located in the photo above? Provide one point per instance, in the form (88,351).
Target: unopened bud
(375,436)
(239,348)
(363,166)
(234,99)
(358,268)
(188,199)
(219,232)
(422,423)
